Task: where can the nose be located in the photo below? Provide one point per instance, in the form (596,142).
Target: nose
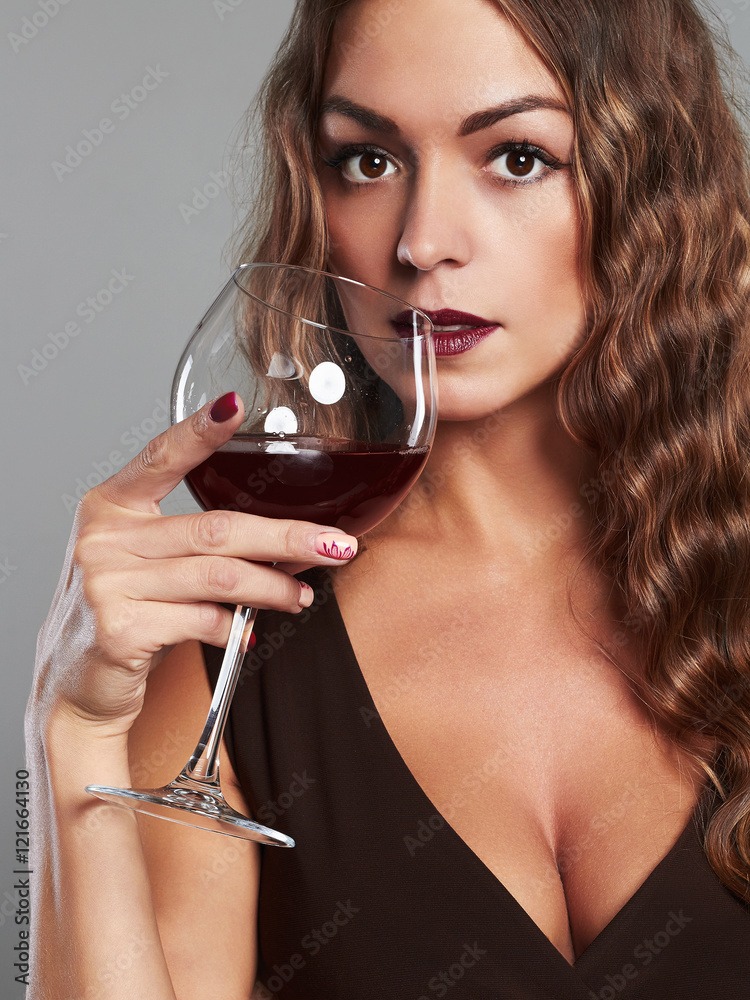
(436,226)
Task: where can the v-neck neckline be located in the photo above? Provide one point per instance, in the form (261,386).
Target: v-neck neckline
(587,957)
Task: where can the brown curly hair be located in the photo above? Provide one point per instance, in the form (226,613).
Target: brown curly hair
(659,390)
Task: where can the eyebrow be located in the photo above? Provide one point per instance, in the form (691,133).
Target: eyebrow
(476,122)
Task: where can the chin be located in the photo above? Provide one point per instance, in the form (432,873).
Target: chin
(464,401)
(453,407)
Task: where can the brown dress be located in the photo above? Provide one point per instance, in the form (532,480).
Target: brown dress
(380,898)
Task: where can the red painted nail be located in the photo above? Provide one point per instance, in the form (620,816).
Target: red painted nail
(224,408)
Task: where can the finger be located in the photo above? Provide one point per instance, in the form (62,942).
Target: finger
(165,460)
(176,623)
(136,632)
(198,579)
(230,533)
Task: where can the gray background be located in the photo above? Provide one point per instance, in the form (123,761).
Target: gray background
(142,200)
(59,241)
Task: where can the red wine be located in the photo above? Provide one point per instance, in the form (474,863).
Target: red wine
(345,484)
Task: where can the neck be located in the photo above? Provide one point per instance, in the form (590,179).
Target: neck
(511,481)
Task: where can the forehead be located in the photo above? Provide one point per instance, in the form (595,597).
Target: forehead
(431,60)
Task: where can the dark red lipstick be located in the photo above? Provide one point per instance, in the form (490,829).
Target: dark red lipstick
(464,330)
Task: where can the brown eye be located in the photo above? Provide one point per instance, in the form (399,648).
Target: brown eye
(372,165)
(520,164)
(369,165)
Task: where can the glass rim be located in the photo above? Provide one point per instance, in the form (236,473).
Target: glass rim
(396,338)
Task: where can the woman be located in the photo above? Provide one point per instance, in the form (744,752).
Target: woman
(512,737)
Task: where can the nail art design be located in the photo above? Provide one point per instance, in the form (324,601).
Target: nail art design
(332,550)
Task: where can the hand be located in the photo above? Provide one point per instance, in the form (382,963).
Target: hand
(136,582)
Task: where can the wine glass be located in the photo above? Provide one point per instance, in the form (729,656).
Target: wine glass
(338,383)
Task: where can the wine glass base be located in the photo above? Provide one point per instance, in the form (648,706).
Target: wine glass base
(203,809)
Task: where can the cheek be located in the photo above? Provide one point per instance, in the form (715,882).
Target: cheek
(362,235)
(546,274)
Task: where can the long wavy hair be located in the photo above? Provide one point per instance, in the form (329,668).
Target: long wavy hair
(659,391)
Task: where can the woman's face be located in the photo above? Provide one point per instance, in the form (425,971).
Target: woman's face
(449,194)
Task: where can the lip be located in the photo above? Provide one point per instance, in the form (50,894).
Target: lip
(449,343)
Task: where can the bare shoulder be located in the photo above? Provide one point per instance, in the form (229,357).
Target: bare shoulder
(197,878)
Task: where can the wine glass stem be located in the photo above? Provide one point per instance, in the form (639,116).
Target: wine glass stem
(203,766)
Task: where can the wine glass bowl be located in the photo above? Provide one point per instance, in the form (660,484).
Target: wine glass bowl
(338,384)
(337,424)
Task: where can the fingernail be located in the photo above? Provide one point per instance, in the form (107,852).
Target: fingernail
(306,595)
(225,407)
(334,546)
